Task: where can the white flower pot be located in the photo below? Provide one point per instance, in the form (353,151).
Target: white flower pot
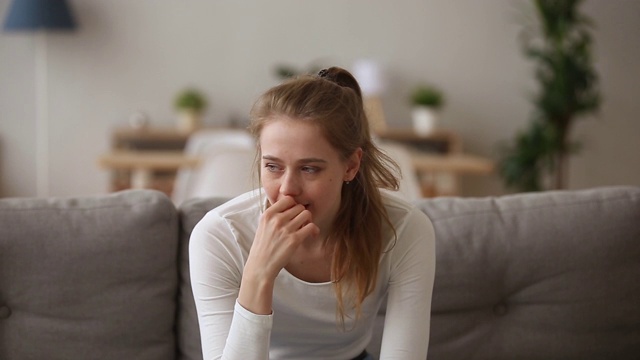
(425,119)
(189,121)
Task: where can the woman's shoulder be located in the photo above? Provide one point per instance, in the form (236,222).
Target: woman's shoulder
(248,202)
(397,207)
(407,219)
(232,223)
(242,209)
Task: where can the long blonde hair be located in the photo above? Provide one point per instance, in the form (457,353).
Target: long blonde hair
(333,101)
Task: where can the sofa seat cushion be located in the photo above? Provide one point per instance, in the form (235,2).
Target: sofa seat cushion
(88,278)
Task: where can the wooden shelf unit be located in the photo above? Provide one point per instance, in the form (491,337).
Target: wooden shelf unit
(147,157)
(439,159)
(440,141)
(150,158)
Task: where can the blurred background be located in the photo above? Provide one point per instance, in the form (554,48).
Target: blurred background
(127,60)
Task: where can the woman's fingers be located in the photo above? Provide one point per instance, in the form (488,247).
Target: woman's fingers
(300,219)
(283,228)
(291,213)
(287,213)
(281,205)
(309,230)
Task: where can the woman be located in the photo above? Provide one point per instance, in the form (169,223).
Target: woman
(299,268)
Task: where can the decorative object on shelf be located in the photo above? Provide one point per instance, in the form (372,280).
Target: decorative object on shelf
(426,101)
(40,16)
(560,44)
(191,104)
(370,76)
(139,120)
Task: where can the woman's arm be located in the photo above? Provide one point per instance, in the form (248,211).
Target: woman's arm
(282,229)
(233,299)
(412,272)
(227,330)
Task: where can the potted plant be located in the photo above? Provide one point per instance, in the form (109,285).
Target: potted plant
(286,71)
(426,101)
(190,104)
(560,44)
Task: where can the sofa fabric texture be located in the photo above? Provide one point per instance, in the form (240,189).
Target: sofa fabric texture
(188,330)
(537,276)
(88,278)
(553,275)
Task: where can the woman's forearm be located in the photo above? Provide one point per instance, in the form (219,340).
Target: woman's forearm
(256,291)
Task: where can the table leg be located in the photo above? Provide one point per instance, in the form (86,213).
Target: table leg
(141,178)
(438,184)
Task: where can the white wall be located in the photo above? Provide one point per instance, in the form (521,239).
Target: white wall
(135,55)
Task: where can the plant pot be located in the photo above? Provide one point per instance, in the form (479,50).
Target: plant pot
(425,119)
(189,120)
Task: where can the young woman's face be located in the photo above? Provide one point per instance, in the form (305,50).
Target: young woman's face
(297,161)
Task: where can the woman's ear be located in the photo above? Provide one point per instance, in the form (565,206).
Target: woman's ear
(353,165)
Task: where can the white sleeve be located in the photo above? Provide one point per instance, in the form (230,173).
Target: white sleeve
(228,331)
(412,271)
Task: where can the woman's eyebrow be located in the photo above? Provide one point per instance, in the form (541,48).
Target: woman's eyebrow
(301,161)
(269,157)
(311,160)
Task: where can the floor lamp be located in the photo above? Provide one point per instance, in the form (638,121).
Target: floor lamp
(40,16)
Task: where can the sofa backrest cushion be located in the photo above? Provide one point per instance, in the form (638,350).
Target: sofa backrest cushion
(552,275)
(88,278)
(191,211)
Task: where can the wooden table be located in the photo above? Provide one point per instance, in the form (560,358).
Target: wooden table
(458,163)
(439,174)
(439,159)
(142,164)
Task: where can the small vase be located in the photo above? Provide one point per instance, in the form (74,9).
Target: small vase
(425,119)
(189,121)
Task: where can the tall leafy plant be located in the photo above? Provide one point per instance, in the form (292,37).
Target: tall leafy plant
(536,159)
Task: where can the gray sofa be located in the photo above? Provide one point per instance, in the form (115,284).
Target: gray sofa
(552,275)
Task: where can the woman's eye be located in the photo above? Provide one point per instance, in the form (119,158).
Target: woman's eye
(271,167)
(310,169)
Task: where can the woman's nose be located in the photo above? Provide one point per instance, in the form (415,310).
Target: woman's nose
(290,184)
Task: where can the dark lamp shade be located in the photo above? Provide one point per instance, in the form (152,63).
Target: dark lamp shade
(31,15)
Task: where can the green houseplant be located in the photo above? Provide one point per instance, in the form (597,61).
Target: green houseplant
(286,71)
(190,104)
(536,159)
(426,101)
(427,95)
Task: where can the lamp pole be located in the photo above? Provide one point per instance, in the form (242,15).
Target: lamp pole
(42,116)
(39,16)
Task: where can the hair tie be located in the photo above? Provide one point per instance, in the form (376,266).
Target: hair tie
(322,73)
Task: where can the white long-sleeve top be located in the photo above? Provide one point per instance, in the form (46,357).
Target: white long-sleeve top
(303,324)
